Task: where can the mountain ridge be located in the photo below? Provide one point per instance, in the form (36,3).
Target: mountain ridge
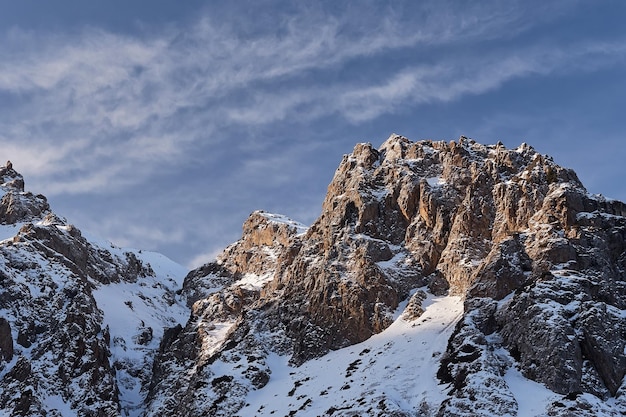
(480,221)
(486,271)
(72,342)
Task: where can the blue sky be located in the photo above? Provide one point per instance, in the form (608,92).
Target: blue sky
(161,125)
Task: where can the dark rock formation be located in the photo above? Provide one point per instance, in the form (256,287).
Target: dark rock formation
(15,204)
(6,341)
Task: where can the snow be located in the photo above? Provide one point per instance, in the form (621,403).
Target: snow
(130,305)
(130,309)
(378,194)
(594,215)
(435,181)
(279,218)
(532,397)
(58,404)
(399,364)
(162,265)
(394,262)
(602,198)
(134,308)
(214,336)
(253,281)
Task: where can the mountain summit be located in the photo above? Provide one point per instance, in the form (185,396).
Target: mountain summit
(441,279)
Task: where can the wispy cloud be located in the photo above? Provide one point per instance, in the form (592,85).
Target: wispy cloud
(448,80)
(152,99)
(99,112)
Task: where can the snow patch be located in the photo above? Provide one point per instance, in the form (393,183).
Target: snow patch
(254,281)
(213,337)
(532,397)
(435,181)
(398,366)
(136,314)
(279,218)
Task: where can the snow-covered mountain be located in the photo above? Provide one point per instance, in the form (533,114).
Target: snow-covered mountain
(441,279)
(80,319)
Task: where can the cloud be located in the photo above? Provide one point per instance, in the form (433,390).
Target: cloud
(94,112)
(115,108)
(447,80)
(179,86)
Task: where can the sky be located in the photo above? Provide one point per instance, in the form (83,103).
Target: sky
(162,125)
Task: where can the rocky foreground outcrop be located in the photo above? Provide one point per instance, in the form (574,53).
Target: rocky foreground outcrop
(539,261)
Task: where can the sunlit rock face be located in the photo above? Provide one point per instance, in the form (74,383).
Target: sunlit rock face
(539,262)
(523,270)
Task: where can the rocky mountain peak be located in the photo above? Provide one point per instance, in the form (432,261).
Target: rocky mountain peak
(488,272)
(264,236)
(16,205)
(440,199)
(539,262)
(80,319)
(11,178)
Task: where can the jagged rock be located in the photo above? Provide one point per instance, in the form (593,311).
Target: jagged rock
(437,283)
(505,269)
(605,353)
(52,282)
(474,368)
(6,341)
(19,207)
(414,308)
(265,236)
(10,178)
(15,204)
(204,280)
(540,263)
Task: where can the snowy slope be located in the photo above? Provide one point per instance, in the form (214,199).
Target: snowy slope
(393,370)
(136,314)
(112,310)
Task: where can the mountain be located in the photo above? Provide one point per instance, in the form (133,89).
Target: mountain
(80,319)
(441,279)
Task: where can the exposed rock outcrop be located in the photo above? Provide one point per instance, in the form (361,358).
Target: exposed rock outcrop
(539,260)
(6,341)
(60,351)
(539,263)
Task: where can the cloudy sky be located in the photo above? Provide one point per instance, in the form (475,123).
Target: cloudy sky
(161,125)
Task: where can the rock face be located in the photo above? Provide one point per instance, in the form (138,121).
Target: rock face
(17,205)
(61,351)
(539,262)
(6,341)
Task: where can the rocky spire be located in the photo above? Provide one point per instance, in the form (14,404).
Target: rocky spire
(11,178)
(16,205)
